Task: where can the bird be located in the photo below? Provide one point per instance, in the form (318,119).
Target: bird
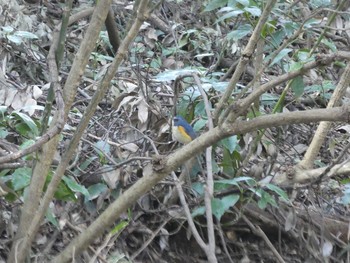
(182,132)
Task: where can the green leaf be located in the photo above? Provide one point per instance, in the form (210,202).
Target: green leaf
(50,216)
(64,193)
(227,163)
(15,39)
(235,181)
(183,41)
(100,57)
(214,4)
(312,22)
(269,99)
(254,11)
(3,109)
(339,64)
(282,54)
(220,206)
(265,199)
(3,133)
(220,86)
(25,34)
(320,3)
(313,88)
(173,74)
(345,200)
(281,193)
(120,227)
(328,85)
(23,129)
(21,178)
(7,29)
(27,120)
(122,224)
(75,187)
(297,86)
(87,162)
(303,56)
(155,63)
(3,173)
(198,211)
(199,124)
(243,2)
(103,147)
(27,144)
(290,27)
(343,182)
(191,93)
(228,15)
(199,110)
(96,189)
(240,33)
(198,188)
(276,37)
(230,143)
(295,66)
(262,203)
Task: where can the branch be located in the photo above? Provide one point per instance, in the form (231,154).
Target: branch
(245,58)
(324,127)
(28,226)
(301,176)
(142,15)
(238,108)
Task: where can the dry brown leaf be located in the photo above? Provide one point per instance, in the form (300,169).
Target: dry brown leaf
(37,92)
(132,147)
(29,106)
(111,178)
(143,111)
(19,100)
(9,94)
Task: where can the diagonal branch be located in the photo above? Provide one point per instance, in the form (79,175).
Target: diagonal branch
(324,127)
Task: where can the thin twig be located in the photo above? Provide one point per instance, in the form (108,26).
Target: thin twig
(257,230)
(151,238)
